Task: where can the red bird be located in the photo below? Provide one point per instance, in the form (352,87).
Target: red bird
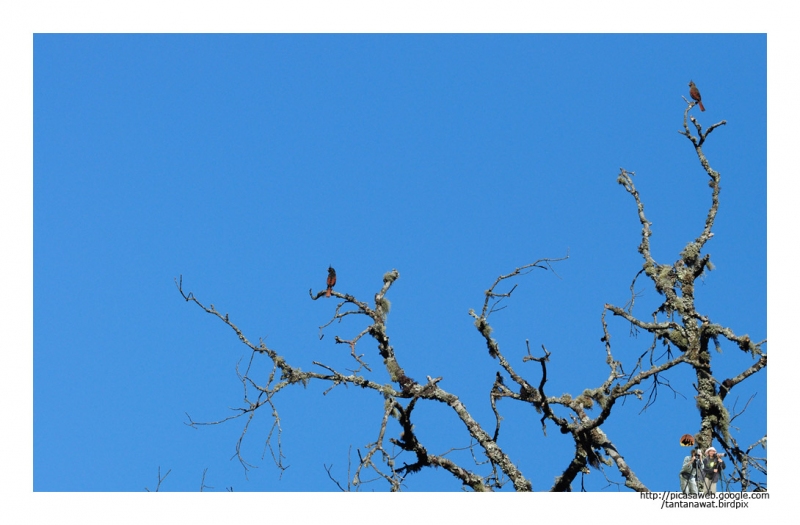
(695,93)
(331,281)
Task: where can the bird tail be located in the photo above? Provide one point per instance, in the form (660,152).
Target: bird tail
(700,103)
(328,292)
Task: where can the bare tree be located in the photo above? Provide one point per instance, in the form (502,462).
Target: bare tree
(684,334)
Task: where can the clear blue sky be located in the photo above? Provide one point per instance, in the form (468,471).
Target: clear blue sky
(249,163)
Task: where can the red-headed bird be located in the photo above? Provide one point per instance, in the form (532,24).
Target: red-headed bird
(695,93)
(331,281)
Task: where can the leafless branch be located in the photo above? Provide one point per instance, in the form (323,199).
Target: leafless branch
(160,480)
(684,334)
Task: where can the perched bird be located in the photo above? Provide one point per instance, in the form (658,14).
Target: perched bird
(331,281)
(695,93)
(687,440)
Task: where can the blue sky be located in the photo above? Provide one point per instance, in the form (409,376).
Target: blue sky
(249,163)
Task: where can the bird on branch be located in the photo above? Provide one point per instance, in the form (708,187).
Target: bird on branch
(695,93)
(331,281)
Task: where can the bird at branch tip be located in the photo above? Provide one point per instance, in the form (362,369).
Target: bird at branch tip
(695,94)
(331,281)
